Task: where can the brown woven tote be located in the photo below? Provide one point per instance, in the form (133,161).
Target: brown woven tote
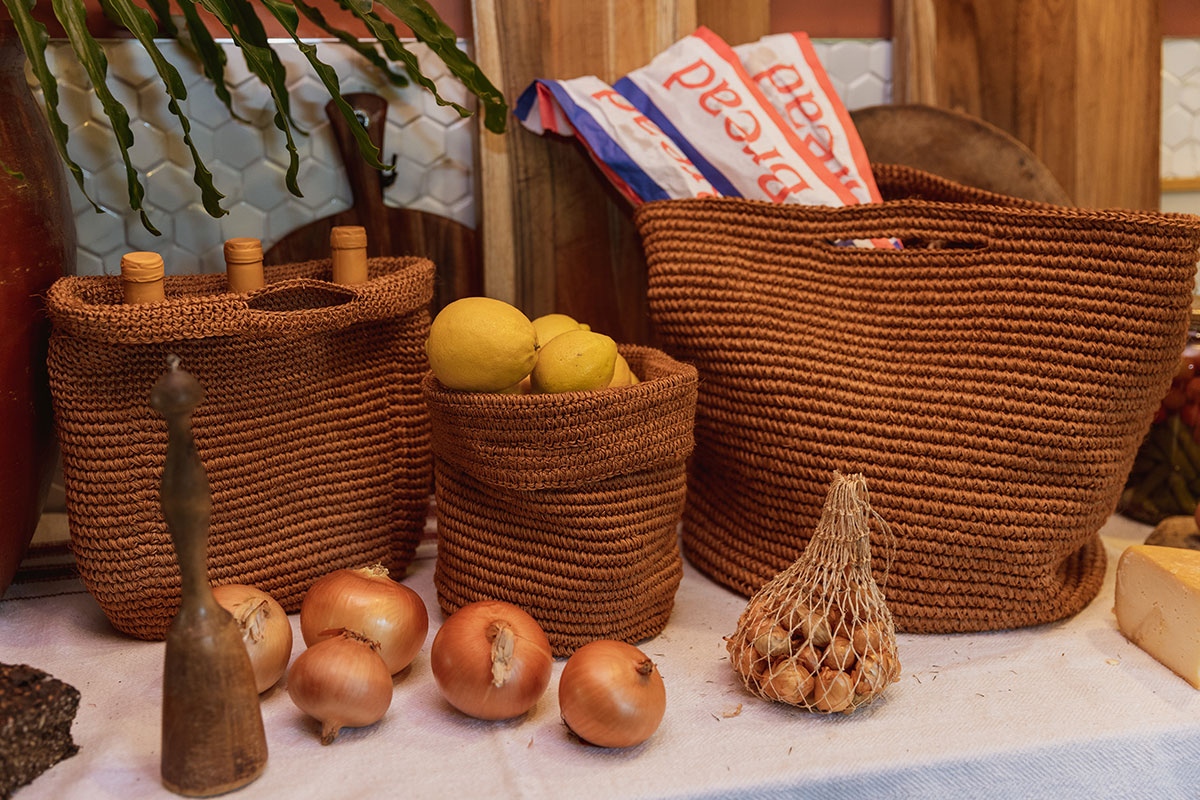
(566,505)
(992,381)
(313,430)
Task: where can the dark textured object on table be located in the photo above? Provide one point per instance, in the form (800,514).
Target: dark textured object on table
(36,712)
(1180,531)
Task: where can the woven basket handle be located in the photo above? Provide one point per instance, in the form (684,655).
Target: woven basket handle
(316,306)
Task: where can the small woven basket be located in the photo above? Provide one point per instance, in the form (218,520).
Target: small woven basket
(566,504)
(313,431)
(992,381)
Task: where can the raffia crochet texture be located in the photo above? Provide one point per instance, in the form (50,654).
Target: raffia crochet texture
(313,430)
(566,505)
(992,381)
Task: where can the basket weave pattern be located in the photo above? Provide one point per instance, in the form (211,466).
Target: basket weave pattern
(992,381)
(313,430)
(566,505)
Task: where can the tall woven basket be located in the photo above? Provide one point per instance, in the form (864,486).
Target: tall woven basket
(992,381)
(313,431)
(566,505)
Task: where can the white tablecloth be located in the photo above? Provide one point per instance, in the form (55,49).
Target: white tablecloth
(1067,709)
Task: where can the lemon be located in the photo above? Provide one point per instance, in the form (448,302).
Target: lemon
(550,325)
(575,361)
(481,345)
(622,374)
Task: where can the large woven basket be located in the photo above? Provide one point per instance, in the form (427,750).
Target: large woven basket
(566,505)
(992,381)
(313,430)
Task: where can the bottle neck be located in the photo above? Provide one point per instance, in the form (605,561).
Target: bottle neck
(143,292)
(244,277)
(349,265)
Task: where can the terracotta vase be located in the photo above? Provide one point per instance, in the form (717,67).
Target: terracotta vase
(37,245)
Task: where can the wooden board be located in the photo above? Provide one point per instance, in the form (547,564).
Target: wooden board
(957,146)
(555,237)
(1078,81)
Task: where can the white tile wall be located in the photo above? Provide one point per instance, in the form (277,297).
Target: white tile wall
(1181,108)
(433,145)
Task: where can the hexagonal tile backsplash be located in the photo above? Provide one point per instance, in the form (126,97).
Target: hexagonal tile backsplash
(433,145)
(1181,108)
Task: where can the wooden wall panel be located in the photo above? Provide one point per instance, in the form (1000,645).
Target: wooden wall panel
(555,237)
(1078,81)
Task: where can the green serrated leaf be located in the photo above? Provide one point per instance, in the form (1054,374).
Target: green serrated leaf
(287,16)
(211,55)
(259,61)
(34,38)
(162,12)
(395,50)
(251,29)
(12,173)
(139,22)
(439,37)
(73,17)
(365,49)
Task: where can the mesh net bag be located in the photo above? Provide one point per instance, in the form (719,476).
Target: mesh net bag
(819,634)
(313,430)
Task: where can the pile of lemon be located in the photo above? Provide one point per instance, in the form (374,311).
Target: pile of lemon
(478,344)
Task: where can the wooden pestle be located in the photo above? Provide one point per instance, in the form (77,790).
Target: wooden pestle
(212,731)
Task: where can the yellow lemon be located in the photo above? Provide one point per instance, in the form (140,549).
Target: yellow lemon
(575,361)
(622,374)
(481,345)
(521,387)
(550,325)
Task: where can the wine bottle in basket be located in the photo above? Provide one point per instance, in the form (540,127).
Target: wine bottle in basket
(142,277)
(348,251)
(244,264)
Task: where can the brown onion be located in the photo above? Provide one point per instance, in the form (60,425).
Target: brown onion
(265,630)
(369,603)
(788,682)
(833,690)
(610,694)
(491,660)
(342,682)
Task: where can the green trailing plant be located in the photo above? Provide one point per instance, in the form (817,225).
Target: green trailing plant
(240,19)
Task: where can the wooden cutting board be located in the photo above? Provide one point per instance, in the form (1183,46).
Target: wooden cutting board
(957,146)
(391,231)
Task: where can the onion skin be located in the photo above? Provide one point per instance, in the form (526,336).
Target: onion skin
(491,660)
(265,628)
(370,603)
(610,694)
(342,682)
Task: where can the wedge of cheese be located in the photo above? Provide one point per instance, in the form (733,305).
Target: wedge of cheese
(1158,605)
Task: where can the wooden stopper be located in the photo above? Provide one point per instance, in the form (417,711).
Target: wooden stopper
(244,264)
(348,248)
(142,277)
(212,731)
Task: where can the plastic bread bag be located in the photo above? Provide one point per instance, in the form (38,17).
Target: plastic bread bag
(632,152)
(789,73)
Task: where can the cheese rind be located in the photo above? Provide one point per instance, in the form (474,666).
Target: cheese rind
(1158,605)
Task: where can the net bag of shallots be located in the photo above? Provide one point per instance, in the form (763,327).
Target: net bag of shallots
(819,634)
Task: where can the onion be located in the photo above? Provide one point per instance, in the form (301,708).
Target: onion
(369,603)
(342,682)
(491,660)
(610,694)
(265,630)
